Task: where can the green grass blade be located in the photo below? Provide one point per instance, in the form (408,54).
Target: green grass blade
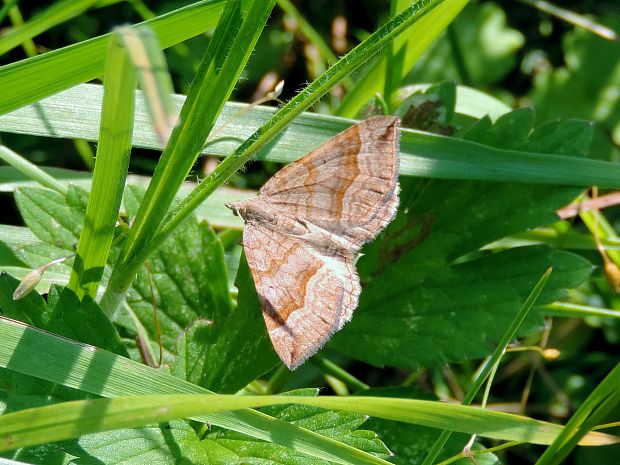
(30,170)
(32,79)
(228,52)
(43,355)
(394,56)
(601,401)
(111,165)
(570,310)
(55,14)
(75,114)
(420,37)
(72,419)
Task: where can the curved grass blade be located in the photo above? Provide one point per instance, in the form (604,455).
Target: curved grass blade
(46,356)
(75,114)
(72,419)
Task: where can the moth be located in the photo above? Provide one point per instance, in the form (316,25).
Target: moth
(304,230)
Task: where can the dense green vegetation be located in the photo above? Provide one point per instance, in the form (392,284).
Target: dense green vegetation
(495,286)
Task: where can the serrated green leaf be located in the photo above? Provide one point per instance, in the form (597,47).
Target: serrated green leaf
(510,131)
(419,306)
(341,426)
(567,137)
(55,220)
(515,130)
(49,216)
(166,444)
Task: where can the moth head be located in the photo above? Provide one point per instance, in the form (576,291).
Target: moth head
(233,207)
(239,208)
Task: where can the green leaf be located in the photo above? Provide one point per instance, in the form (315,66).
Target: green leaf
(341,426)
(168,443)
(56,221)
(515,130)
(428,295)
(52,217)
(21,253)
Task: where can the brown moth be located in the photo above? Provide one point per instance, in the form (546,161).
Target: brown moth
(304,230)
